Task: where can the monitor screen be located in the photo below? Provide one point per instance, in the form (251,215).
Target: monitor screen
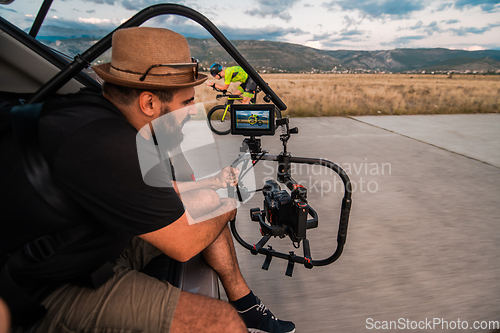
(252,119)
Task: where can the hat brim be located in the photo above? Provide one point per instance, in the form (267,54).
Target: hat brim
(103,72)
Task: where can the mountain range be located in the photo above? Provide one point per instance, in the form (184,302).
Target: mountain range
(268,56)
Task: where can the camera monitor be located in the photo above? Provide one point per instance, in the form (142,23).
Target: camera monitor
(252,119)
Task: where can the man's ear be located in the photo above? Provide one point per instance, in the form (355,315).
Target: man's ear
(148,103)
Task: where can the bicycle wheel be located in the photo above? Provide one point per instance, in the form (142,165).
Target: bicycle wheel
(216,123)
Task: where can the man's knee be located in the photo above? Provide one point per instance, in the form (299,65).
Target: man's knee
(230,320)
(200,202)
(197,313)
(233,318)
(211,197)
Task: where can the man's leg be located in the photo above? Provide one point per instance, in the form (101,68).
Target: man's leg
(131,301)
(221,256)
(196,313)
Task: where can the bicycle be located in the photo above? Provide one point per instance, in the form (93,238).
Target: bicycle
(219,117)
(254,119)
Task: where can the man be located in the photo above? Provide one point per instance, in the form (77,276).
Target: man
(93,157)
(247,86)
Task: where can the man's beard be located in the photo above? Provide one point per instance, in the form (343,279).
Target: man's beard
(167,131)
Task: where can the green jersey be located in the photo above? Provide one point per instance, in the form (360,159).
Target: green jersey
(235,74)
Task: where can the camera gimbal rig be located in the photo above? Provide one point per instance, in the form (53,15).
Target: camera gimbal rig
(287,214)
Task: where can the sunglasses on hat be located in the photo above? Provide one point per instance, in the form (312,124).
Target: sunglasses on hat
(194,63)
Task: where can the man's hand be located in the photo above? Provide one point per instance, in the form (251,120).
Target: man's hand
(210,84)
(227,175)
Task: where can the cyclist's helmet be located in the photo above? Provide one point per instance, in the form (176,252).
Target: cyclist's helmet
(215,69)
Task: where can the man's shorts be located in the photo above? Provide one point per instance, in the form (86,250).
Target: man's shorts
(248,88)
(130,301)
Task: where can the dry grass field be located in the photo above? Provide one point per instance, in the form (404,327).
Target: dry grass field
(308,95)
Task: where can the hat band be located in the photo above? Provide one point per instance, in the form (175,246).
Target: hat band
(168,78)
(149,74)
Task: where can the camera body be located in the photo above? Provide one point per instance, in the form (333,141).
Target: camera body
(285,210)
(277,204)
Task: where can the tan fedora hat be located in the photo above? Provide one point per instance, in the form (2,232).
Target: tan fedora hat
(150,58)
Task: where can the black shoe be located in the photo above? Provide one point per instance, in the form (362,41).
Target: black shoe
(258,319)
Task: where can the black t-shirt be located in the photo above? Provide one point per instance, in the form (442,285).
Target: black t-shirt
(93,157)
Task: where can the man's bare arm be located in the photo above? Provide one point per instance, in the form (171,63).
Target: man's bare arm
(4,317)
(187,237)
(227,176)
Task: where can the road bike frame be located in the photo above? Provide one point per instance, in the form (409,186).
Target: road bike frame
(230,101)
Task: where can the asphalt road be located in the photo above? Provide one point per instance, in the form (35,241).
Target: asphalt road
(424,234)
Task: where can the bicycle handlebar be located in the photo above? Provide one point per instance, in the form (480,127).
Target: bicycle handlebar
(229,96)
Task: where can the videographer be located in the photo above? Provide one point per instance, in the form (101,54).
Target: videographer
(96,284)
(247,86)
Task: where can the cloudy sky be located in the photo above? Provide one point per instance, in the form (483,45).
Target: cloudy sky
(323,24)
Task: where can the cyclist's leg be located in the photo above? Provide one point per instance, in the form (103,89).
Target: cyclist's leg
(239,90)
(250,86)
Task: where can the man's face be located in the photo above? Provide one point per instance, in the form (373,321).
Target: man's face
(181,106)
(174,115)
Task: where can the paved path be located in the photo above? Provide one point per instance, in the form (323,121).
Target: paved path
(424,234)
(475,136)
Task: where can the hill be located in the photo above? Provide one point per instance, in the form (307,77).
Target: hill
(276,57)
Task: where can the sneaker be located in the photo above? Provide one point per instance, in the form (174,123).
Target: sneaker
(258,319)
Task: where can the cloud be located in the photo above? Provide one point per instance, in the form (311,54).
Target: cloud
(474,48)
(331,40)
(94,20)
(485,5)
(403,41)
(452,21)
(463,31)
(430,29)
(417,26)
(134,5)
(354,32)
(377,9)
(273,8)
(83,24)
(101,2)
(444,6)
(322,36)
(407,39)
(269,32)
(314,44)
(348,21)
(189,28)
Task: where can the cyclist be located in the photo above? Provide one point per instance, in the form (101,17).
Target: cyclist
(233,74)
